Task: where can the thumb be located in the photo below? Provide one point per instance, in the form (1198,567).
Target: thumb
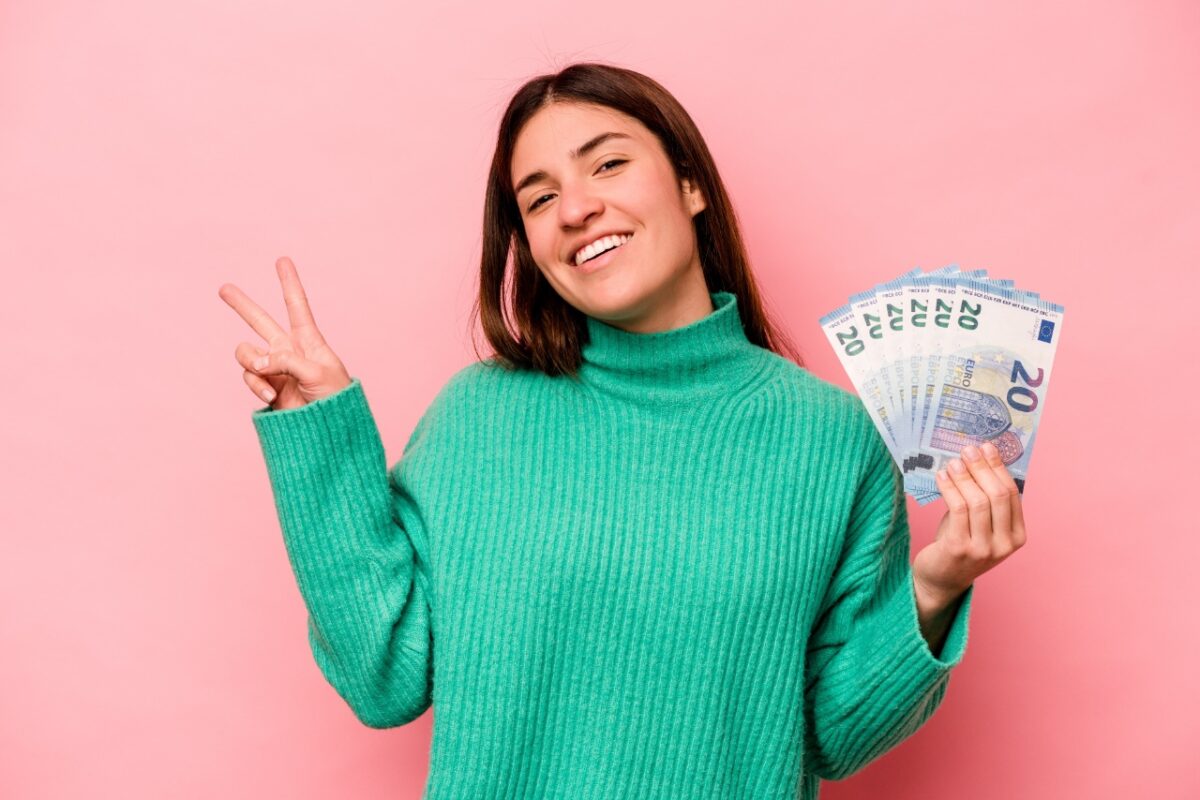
(285,362)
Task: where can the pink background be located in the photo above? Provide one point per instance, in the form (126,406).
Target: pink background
(154,638)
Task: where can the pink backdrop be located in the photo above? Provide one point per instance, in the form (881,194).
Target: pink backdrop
(154,638)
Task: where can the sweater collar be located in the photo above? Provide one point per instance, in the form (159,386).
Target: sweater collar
(709,356)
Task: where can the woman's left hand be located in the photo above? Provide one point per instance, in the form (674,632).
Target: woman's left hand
(982,527)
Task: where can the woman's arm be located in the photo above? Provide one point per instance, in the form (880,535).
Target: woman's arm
(872,677)
(935,615)
(347,523)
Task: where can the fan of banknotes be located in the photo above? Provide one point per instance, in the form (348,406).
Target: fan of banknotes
(945,359)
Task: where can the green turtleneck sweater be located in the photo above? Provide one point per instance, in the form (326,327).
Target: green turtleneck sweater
(683,575)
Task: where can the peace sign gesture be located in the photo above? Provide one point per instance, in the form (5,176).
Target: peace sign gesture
(297,367)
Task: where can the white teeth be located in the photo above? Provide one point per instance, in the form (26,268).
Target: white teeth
(599,246)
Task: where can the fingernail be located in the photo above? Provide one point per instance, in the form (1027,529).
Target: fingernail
(957,465)
(259,363)
(268,395)
(989,449)
(971,453)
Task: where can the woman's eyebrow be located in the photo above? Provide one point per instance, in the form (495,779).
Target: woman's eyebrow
(580,152)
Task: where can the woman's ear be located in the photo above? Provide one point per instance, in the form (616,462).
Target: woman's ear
(694,198)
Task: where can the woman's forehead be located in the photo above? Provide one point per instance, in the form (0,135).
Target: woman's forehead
(574,112)
(563,129)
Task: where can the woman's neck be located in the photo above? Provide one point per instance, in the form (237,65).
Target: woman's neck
(685,365)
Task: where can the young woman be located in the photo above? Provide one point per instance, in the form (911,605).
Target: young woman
(636,553)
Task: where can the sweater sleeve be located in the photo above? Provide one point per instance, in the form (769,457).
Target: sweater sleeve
(347,523)
(872,680)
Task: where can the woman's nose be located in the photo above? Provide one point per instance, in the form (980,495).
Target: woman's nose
(576,203)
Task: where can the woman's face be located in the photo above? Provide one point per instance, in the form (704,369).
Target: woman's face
(622,185)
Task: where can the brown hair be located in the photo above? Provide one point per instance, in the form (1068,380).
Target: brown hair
(550,331)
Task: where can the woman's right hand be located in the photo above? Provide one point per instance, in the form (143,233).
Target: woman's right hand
(299,366)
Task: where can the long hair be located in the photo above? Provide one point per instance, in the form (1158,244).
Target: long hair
(547,333)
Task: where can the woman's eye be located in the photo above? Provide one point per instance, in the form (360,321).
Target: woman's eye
(539,201)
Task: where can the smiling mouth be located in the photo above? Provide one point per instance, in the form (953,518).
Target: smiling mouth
(628,239)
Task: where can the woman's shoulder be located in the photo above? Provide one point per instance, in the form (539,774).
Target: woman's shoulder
(461,388)
(809,389)
(472,390)
(830,414)
(450,413)
(479,381)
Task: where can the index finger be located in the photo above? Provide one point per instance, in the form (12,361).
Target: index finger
(250,311)
(294,298)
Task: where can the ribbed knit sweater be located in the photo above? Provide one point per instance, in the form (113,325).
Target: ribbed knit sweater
(683,574)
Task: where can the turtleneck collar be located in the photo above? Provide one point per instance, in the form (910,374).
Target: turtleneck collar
(708,357)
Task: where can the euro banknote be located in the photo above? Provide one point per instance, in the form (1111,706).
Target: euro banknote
(946,359)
